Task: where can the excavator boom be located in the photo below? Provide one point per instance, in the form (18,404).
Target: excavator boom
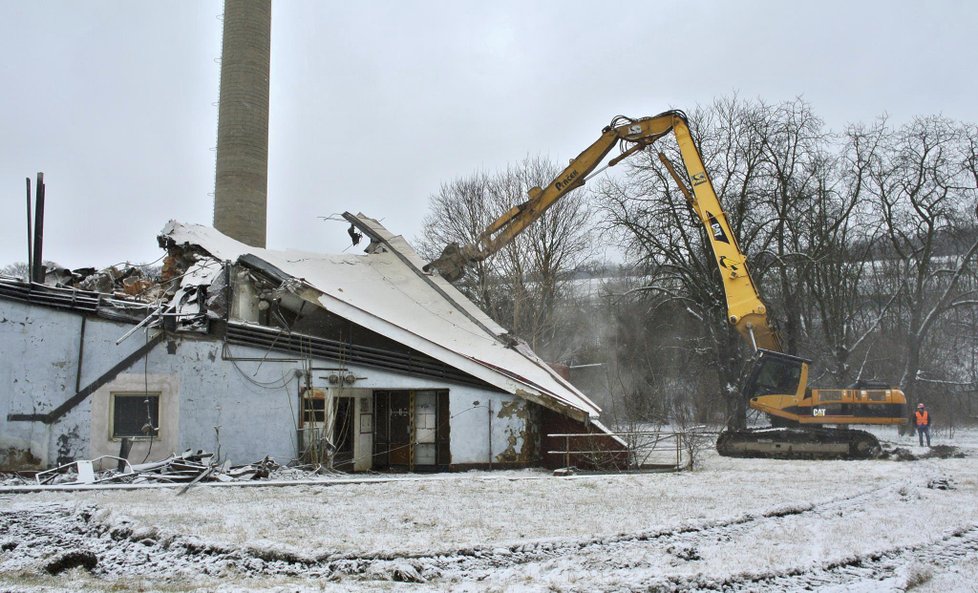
(452,262)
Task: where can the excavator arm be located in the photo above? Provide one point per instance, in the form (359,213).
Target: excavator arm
(745,310)
(636,132)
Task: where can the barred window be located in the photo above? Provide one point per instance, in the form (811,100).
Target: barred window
(135,414)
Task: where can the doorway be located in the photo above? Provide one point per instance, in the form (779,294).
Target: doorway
(326,429)
(411,430)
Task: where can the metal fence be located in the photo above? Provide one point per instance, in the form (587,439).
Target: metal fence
(649,450)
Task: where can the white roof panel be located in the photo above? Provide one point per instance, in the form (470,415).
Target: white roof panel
(386,291)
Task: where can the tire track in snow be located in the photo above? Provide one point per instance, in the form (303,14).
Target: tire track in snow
(948,551)
(28,537)
(479,561)
(603,555)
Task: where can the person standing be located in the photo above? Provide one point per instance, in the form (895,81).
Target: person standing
(922,421)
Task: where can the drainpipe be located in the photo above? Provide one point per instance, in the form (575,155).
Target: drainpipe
(81,356)
(489,405)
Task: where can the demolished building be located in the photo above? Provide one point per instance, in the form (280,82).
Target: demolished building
(361,361)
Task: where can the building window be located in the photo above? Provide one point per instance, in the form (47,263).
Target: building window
(135,415)
(313,408)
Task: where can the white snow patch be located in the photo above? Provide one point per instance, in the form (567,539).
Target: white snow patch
(736,524)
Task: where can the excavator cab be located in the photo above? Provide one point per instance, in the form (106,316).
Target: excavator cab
(777,385)
(775,373)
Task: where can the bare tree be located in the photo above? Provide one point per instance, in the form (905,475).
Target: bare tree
(669,245)
(792,193)
(16,270)
(458,212)
(20,270)
(843,230)
(522,286)
(924,184)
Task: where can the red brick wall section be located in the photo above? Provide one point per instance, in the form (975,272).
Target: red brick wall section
(606,456)
(561,369)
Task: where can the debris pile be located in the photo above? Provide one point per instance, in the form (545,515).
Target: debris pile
(189,467)
(128,282)
(937,451)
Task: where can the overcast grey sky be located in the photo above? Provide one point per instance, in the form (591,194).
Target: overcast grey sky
(374,104)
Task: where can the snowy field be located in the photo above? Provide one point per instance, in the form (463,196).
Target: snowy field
(732,525)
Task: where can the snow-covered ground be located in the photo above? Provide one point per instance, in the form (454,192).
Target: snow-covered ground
(732,525)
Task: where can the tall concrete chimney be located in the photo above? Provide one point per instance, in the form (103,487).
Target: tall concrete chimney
(241,183)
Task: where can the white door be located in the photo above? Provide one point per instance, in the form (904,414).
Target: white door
(426,419)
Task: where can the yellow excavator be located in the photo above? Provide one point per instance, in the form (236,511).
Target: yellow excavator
(777,383)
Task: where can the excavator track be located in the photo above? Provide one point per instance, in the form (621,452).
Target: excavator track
(799,443)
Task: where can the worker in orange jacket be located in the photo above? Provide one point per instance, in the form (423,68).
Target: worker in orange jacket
(922,421)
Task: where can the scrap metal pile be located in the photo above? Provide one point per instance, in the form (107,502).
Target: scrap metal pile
(188,467)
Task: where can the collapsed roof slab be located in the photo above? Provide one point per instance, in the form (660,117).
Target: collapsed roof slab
(386,291)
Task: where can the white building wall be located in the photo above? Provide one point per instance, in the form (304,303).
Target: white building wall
(40,368)
(245,409)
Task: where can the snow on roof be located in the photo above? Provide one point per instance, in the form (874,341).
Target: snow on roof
(385,291)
